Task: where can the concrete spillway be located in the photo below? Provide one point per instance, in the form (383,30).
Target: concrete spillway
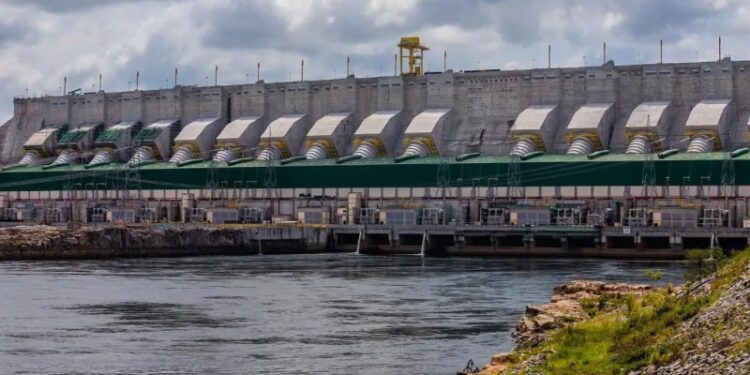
(238,139)
(647,125)
(153,142)
(195,140)
(378,134)
(329,136)
(40,145)
(708,121)
(114,144)
(534,129)
(73,144)
(590,128)
(425,135)
(283,137)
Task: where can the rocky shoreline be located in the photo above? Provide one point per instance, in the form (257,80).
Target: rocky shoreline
(721,337)
(709,330)
(566,307)
(48,242)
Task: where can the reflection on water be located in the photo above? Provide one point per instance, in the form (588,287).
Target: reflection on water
(300,314)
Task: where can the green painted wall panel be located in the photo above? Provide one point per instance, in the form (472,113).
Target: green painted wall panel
(548,170)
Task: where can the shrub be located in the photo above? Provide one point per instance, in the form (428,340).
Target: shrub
(654,275)
(701,263)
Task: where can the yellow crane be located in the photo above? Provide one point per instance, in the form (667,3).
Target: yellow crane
(411,50)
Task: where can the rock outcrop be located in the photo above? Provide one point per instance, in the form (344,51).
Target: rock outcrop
(566,307)
(48,242)
(713,339)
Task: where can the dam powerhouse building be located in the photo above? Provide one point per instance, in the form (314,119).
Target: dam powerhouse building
(643,157)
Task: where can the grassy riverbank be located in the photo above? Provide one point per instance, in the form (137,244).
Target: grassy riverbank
(665,328)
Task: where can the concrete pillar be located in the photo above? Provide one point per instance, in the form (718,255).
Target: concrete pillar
(675,241)
(344,98)
(414,92)
(58,112)
(545,86)
(601,85)
(390,93)
(249,100)
(185,102)
(528,241)
(212,103)
(440,90)
(95,108)
(658,83)
(131,107)
(716,80)
(188,202)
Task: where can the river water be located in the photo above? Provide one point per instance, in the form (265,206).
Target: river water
(285,314)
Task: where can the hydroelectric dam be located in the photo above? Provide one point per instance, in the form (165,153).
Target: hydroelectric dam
(635,160)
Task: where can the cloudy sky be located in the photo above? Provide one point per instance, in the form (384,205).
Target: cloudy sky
(43,41)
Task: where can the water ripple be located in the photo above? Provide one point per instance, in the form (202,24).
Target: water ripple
(306,314)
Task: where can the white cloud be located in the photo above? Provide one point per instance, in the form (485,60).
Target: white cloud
(43,41)
(612,20)
(450,34)
(390,12)
(295,12)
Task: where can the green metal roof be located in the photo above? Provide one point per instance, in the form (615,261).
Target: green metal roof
(72,137)
(109,135)
(545,170)
(148,134)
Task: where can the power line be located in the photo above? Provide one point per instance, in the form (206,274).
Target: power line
(513,177)
(728,185)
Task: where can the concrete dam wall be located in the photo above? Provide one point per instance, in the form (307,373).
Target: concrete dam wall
(583,161)
(709,98)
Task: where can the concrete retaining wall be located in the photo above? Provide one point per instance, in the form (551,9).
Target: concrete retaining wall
(481,100)
(44,242)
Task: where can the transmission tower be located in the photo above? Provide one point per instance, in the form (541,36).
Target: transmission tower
(514,177)
(70,189)
(131,178)
(212,182)
(444,171)
(444,175)
(728,185)
(269,181)
(648,176)
(119,175)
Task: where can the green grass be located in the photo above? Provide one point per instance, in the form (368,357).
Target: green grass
(602,304)
(651,322)
(585,348)
(633,335)
(631,332)
(740,348)
(730,270)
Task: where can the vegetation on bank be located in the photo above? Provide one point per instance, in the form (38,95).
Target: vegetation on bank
(630,332)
